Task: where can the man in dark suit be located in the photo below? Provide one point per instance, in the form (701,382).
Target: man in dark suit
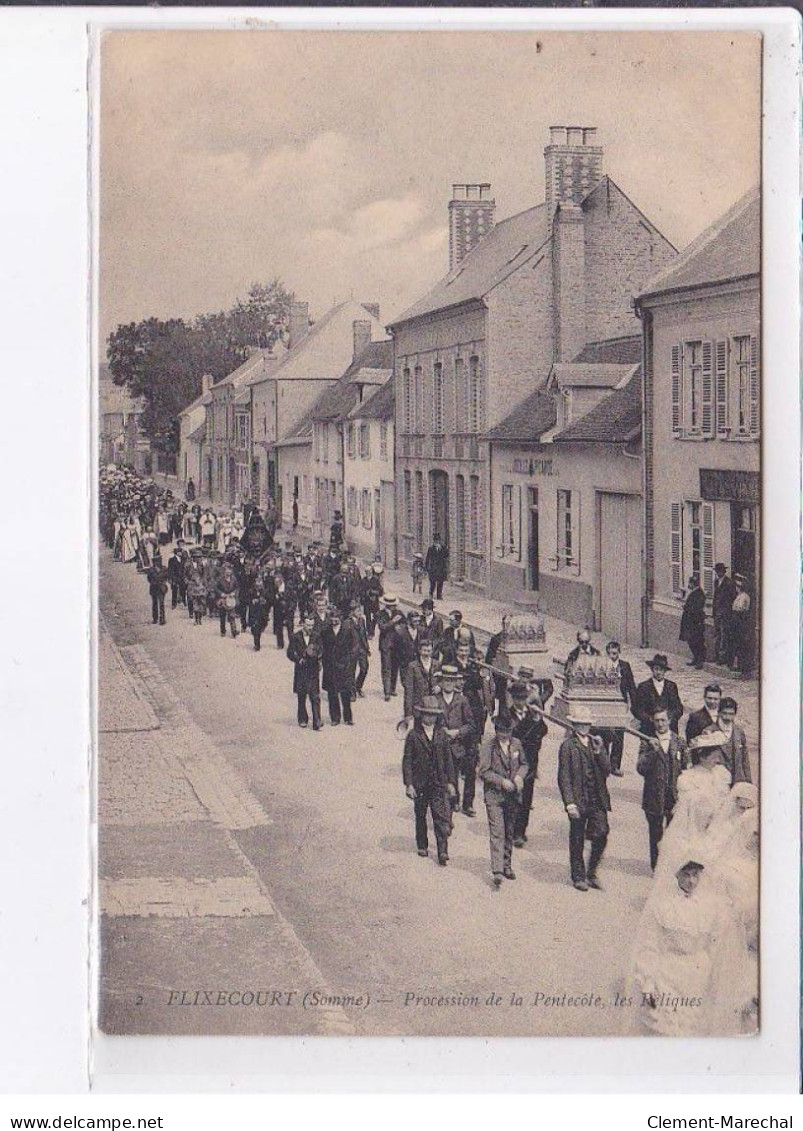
(660,762)
(502,770)
(422,678)
(530,729)
(447,646)
(614,738)
(389,619)
(692,622)
(304,651)
(584,647)
(657,692)
(341,649)
(406,643)
(430,778)
(431,627)
(436,564)
(724,592)
(707,716)
(583,770)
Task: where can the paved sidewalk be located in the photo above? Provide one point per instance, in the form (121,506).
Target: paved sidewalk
(182,909)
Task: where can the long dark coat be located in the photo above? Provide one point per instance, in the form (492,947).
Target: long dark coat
(340,654)
(692,620)
(428,766)
(571,775)
(647,700)
(436,562)
(307,674)
(661,772)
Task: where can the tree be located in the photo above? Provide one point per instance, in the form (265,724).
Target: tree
(163,361)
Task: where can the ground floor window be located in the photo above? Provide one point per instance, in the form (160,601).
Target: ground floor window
(691,545)
(351,506)
(511,533)
(408,503)
(568,541)
(474,513)
(365,507)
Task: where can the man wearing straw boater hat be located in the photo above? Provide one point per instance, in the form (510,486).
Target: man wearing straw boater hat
(583,769)
(430,779)
(502,770)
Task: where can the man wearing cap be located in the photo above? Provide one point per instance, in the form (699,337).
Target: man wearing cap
(304,651)
(429,778)
(476,687)
(707,716)
(431,624)
(692,622)
(660,762)
(502,770)
(436,564)
(389,619)
(657,692)
(407,637)
(371,591)
(530,730)
(340,653)
(458,726)
(422,679)
(583,770)
(614,737)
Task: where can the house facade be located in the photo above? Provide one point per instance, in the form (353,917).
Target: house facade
(520,295)
(316,358)
(120,436)
(701,329)
(368,473)
(566,489)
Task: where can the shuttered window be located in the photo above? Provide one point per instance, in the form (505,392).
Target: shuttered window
(459,396)
(408,402)
(437,399)
(351,445)
(408,502)
(676,548)
(474,395)
(707,573)
(365,442)
(365,507)
(419,509)
(383,440)
(418,400)
(677,404)
(721,387)
(568,540)
(707,390)
(755,387)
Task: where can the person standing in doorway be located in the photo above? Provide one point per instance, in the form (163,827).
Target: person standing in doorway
(436,564)
(692,622)
(724,592)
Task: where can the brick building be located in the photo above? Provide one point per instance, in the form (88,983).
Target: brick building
(520,295)
(701,323)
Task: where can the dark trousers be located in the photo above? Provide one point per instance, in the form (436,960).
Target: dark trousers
(656,823)
(741,652)
(256,632)
(370,620)
(177,593)
(722,636)
(614,741)
(436,587)
(230,616)
(315,707)
(362,671)
(525,805)
(158,607)
(502,809)
(390,671)
(579,827)
(336,700)
(467,769)
(696,644)
(438,804)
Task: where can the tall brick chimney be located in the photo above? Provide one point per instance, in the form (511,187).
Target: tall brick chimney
(362,337)
(573,165)
(298,324)
(471,216)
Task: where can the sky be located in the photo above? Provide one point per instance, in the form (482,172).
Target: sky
(327,158)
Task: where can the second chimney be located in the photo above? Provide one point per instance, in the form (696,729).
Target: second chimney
(206,383)
(471,216)
(362,337)
(573,165)
(298,323)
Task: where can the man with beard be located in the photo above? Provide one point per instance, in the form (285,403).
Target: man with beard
(429,778)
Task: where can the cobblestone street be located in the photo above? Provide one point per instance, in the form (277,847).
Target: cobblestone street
(240,855)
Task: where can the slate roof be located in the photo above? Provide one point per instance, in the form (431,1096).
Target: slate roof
(613,351)
(729,249)
(300,434)
(588,375)
(508,244)
(528,421)
(615,420)
(313,357)
(337,400)
(380,405)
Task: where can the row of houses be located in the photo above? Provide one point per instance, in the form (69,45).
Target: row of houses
(120,437)
(573,407)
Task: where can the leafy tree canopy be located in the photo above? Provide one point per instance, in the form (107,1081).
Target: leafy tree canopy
(163,361)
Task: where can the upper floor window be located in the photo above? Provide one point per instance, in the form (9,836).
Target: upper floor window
(418,399)
(407,420)
(459,395)
(365,441)
(383,440)
(351,445)
(438,424)
(474,395)
(715,388)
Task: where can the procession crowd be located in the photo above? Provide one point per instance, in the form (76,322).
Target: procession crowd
(694,967)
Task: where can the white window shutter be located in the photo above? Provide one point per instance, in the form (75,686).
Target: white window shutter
(676,548)
(755,387)
(708,549)
(576,529)
(677,404)
(721,386)
(708,390)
